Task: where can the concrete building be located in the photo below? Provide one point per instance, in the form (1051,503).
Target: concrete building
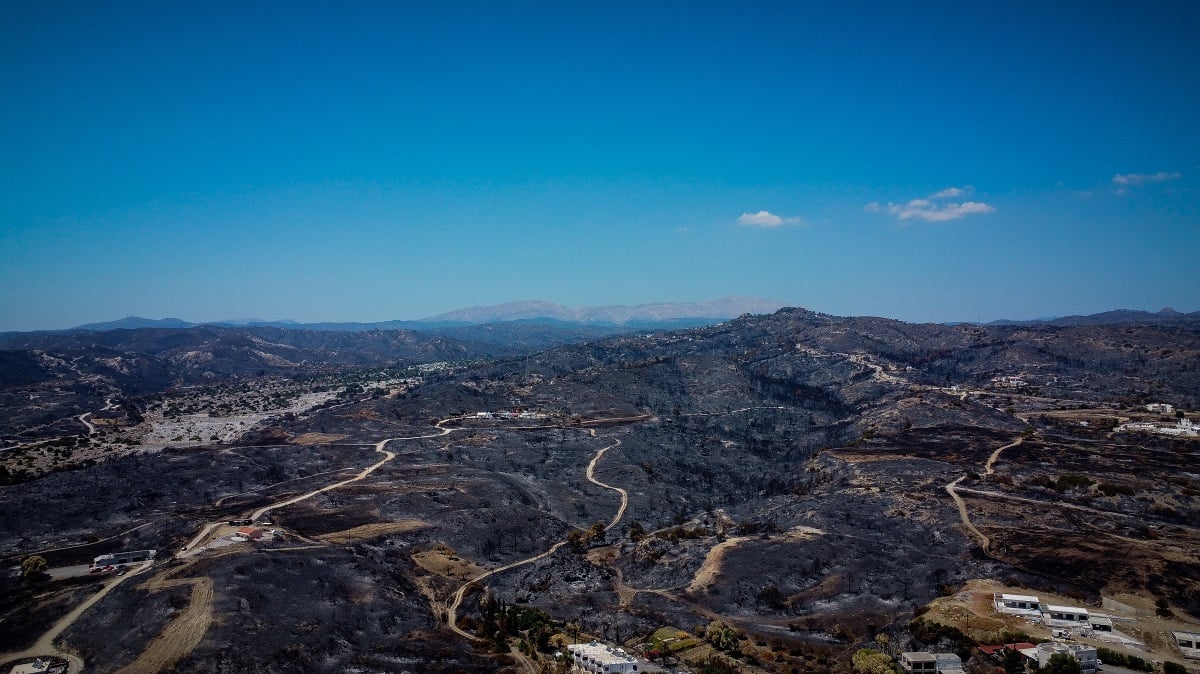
(127,557)
(1161,408)
(1019,604)
(918,662)
(1064,616)
(1188,643)
(1100,624)
(598,658)
(948,663)
(1084,655)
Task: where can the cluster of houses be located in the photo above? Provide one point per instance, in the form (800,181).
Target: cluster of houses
(598,658)
(1183,428)
(923,662)
(1009,381)
(1062,619)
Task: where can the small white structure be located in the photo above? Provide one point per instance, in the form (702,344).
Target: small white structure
(918,662)
(1064,616)
(1085,655)
(1016,604)
(1100,624)
(948,663)
(598,658)
(1188,643)
(38,666)
(1161,408)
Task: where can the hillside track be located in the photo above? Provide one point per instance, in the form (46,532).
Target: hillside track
(985,543)
(182,634)
(452,610)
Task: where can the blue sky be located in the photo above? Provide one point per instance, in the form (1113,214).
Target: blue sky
(374,161)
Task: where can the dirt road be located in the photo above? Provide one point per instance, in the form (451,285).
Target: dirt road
(45,645)
(591,476)
(985,543)
(182,634)
(452,610)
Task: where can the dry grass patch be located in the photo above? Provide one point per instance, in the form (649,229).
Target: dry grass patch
(443,561)
(368,531)
(317,438)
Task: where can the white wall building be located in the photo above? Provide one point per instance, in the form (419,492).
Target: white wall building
(1018,604)
(918,662)
(598,658)
(1064,616)
(1188,643)
(1085,655)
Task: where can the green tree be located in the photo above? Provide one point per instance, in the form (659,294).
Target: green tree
(1061,663)
(33,569)
(867,661)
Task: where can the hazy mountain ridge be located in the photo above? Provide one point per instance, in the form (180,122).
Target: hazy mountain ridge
(722,308)
(1114,317)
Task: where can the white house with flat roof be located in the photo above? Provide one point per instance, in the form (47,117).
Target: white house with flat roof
(598,658)
(1015,603)
(948,663)
(1084,655)
(1064,616)
(918,662)
(1188,643)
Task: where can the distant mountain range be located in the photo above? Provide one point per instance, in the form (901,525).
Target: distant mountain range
(665,314)
(1116,317)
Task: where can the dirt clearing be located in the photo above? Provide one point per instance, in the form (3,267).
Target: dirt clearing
(317,438)
(446,563)
(182,634)
(368,531)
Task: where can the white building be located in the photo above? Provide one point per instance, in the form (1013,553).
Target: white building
(1085,655)
(1064,616)
(1017,604)
(598,658)
(918,662)
(1100,624)
(1188,643)
(1161,408)
(948,663)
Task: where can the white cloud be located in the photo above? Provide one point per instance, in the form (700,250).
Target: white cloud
(1136,179)
(922,209)
(934,208)
(953,192)
(765,219)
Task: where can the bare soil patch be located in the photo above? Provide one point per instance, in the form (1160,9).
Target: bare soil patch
(317,438)
(444,562)
(368,531)
(182,634)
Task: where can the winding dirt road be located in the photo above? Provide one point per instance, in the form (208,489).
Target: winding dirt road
(182,635)
(452,610)
(985,543)
(45,645)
